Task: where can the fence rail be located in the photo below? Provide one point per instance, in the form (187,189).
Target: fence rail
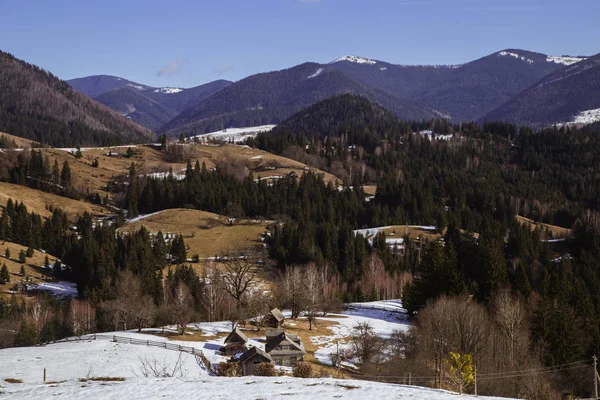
(139,342)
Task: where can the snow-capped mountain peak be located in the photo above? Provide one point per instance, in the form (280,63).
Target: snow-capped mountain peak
(168,90)
(515,55)
(356,60)
(564,60)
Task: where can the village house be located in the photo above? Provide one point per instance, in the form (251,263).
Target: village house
(281,349)
(252,358)
(274,318)
(234,342)
(285,349)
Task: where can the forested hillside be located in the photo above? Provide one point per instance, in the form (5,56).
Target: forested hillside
(36,105)
(270,98)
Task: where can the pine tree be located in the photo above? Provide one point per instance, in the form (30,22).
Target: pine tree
(65,175)
(132,193)
(22,256)
(178,250)
(4,275)
(7,253)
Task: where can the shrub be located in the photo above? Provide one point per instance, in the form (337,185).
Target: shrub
(303,370)
(265,369)
(229,369)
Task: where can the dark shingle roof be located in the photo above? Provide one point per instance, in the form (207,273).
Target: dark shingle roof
(235,332)
(253,351)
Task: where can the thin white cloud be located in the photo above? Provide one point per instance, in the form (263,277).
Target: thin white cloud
(171,69)
(222,69)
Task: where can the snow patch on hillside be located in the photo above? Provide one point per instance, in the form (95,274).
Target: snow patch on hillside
(319,71)
(236,135)
(356,60)
(515,55)
(564,60)
(138,87)
(168,90)
(584,118)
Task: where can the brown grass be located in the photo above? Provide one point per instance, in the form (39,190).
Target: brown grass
(370,189)
(37,201)
(556,231)
(400,231)
(32,266)
(21,142)
(205,233)
(149,160)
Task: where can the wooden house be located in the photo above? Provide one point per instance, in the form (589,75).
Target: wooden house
(235,342)
(251,358)
(285,349)
(274,318)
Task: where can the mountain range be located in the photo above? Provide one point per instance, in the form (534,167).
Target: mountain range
(474,91)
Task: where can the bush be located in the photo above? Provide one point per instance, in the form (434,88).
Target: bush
(229,369)
(303,370)
(265,369)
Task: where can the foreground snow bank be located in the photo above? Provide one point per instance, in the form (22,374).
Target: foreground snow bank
(226,388)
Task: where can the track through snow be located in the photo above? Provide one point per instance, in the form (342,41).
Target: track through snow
(227,388)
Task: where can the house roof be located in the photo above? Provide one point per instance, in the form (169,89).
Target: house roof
(273,332)
(293,340)
(277,314)
(255,351)
(234,333)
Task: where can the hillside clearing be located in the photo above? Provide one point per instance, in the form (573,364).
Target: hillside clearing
(207,234)
(33,267)
(38,201)
(556,231)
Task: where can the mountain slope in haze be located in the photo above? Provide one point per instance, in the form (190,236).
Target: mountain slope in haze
(138,107)
(337,116)
(37,105)
(462,92)
(95,85)
(148,106)
(557,98)
(271,97)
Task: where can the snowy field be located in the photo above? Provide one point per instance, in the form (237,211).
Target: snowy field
(67,363)
(236,135)
(227,388)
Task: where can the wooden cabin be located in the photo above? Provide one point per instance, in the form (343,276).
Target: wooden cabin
(285,349)
(251,358)
(274,318)
(235,342)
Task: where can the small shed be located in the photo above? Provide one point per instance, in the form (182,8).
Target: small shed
(274,318)
(234,342)
(251,358)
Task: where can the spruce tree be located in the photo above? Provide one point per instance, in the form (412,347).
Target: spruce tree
(4,275)
(22,256)
(7,253)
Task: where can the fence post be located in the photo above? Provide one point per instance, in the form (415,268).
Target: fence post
(475,377)
(44,374)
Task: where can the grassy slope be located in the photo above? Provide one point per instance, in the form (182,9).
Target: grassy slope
(37,201)
(205,233)
(557,231)
(32,266)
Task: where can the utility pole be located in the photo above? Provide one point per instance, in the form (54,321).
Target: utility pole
(595,379)
(475,376)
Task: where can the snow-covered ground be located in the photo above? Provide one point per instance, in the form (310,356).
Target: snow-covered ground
(356,60)
(226,388)
(168,90)
(236,135)
(58,288)
(429,134)
(584,118)
(564,60)
(515,55)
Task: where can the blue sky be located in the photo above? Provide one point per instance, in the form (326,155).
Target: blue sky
(186,43)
